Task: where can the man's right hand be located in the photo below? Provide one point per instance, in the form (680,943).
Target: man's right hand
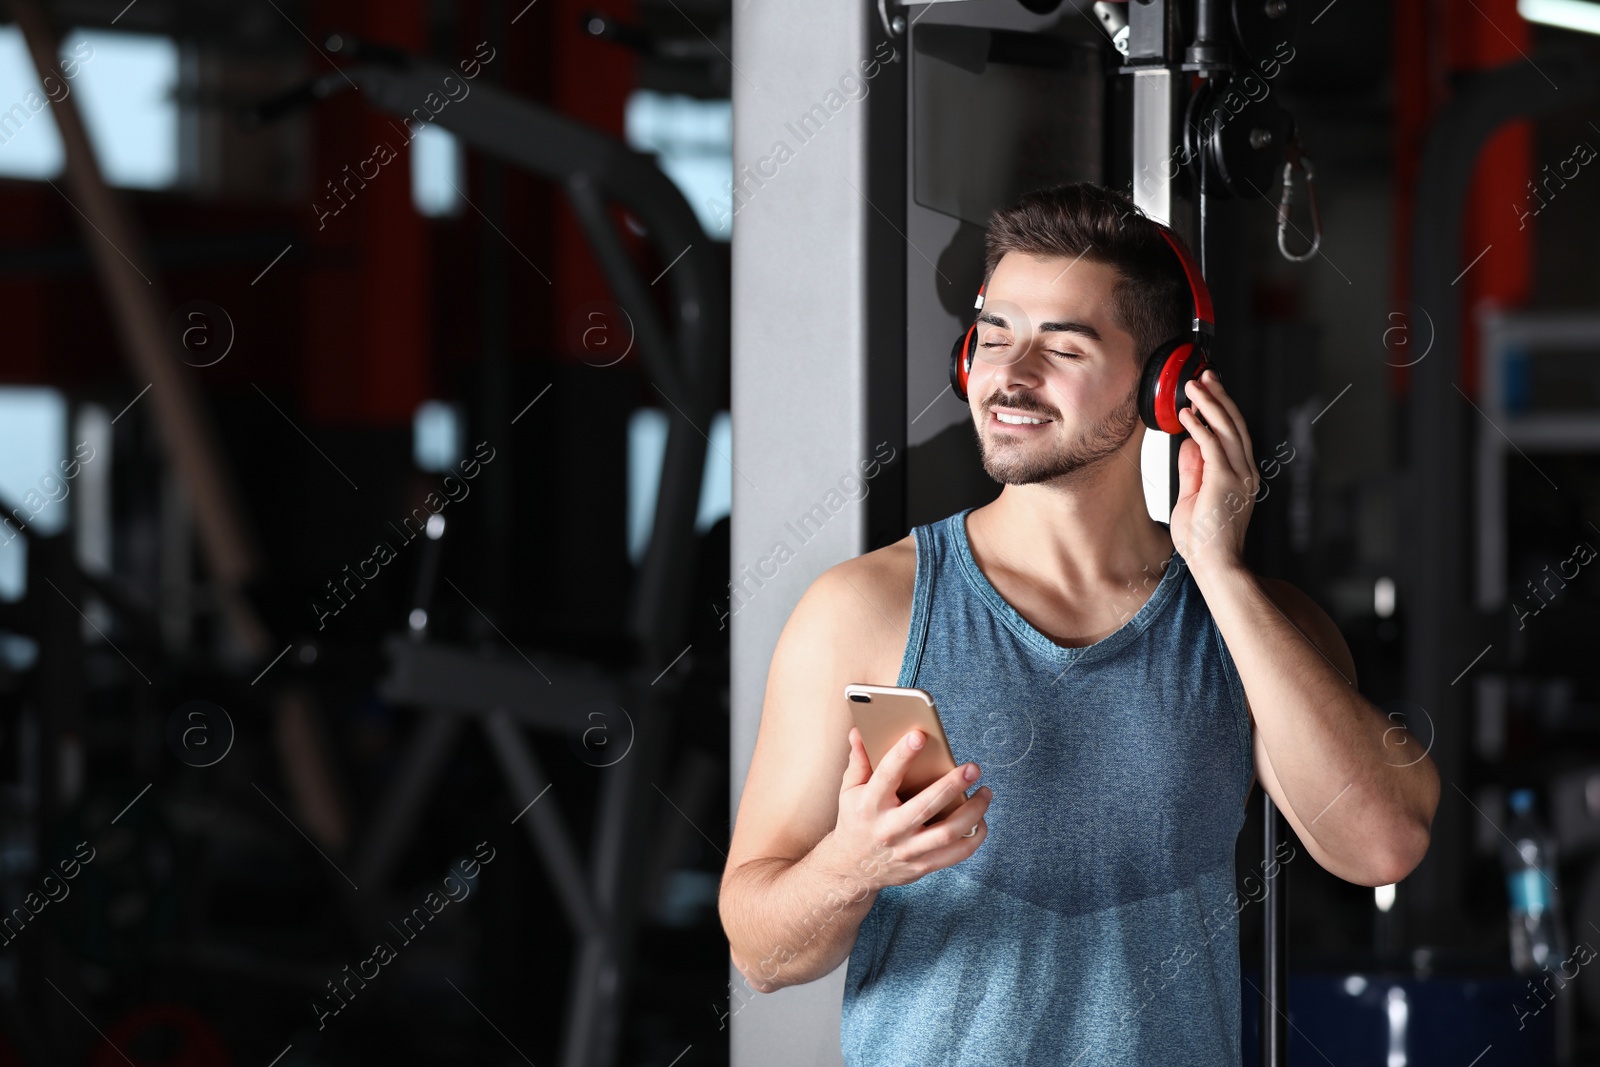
(883,842)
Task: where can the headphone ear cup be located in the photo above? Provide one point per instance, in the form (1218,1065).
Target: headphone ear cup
(1163,388)
(1150,381)
(961,354)
(1183,363)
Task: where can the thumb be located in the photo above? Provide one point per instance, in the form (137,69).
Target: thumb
(1191,468)
(860,768)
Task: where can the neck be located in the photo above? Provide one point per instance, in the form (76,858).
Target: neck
(1084,532)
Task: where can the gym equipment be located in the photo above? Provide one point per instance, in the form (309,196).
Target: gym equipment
(1433,555)
(185,433)
(502,694)
(1167,370)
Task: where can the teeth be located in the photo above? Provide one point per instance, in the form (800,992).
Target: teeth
(1017,420)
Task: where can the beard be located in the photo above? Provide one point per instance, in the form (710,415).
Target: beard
(1021,462)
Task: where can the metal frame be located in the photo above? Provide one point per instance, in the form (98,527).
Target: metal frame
(686,363)
(1501,431)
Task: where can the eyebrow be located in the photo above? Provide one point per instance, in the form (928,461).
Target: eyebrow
(1081,328)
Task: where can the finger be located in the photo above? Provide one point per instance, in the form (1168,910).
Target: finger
(891,769)
(1213,459)
(972,812)
(1215,384)
(859,769)
(1191,468)
(1238,438)
(1210,447)
(1221,424)
(933,798)
(949,840)
(951,855)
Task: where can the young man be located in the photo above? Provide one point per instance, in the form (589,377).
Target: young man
(1121,683)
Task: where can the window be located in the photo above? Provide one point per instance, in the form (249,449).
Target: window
(436,436)
(437,172)
(33,483)
(647,447)
(125,86)
(693,143)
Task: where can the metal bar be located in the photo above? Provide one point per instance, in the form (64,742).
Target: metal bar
(578,1044)
(542,817)
(556,147)
(623,831)
(135,302)
(1156,116)
(655,348)
(1274,943)
(663,580)
(445,678)
(431,742)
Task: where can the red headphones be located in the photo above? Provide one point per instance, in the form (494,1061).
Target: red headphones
(1167,370)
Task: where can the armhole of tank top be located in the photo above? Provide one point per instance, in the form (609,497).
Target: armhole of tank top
(1241,710)
(869,931)
(917,632)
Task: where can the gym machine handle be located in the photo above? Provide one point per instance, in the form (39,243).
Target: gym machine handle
(323,86)
(647,43)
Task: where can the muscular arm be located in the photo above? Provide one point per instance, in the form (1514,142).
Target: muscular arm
(792,921)
(1348,780)
(792,904)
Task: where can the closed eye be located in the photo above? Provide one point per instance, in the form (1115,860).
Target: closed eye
(1004,344)
(1050,351)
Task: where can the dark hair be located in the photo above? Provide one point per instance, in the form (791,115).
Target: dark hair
(1151,299)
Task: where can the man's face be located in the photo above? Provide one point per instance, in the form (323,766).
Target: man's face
(1050,348)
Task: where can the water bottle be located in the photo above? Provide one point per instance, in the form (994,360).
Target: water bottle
(1537,937)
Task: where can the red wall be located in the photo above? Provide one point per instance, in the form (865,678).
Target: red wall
(368,351)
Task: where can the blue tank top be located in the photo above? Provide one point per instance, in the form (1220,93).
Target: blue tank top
(1097,923)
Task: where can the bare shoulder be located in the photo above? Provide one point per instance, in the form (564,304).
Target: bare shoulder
(869,598)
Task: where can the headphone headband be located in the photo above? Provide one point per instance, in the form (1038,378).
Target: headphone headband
(1204,320)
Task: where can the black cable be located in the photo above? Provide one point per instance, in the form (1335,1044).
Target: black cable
(1200,230)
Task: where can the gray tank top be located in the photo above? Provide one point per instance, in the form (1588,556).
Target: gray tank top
(1097,924)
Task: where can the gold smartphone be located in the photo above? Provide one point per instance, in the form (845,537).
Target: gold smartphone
(884,714)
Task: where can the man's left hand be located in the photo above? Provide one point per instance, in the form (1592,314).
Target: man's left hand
(1217,480)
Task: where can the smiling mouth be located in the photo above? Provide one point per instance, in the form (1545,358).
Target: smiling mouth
(1017,422)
